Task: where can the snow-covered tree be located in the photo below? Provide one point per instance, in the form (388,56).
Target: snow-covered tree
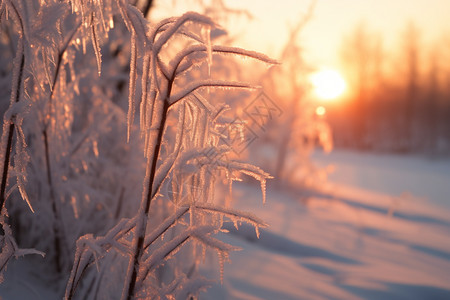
(293,129)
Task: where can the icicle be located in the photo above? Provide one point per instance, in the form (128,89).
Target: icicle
(23,193)
(235,223)
(85,166)
(203,253)
(147,143)
(222,257)
(73,202)
(142,117)
(21,159)
(96,45)
(102,18)
(257,231)
(206,31)
(132,88)
(123,13)
(220,221)
(194,247)
(144,87)
(83,40)
(95,148)
(263,189)
(6,13)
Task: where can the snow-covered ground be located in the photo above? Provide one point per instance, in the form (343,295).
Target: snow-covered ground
(379,230)
(425,177)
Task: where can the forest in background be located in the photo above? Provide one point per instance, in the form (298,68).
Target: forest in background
(398,99)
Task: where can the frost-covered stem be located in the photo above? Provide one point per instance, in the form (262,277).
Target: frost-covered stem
(15,96)
(10,129)
(7,155)
(57,221)
(140,231)
(71,287)
(60,58)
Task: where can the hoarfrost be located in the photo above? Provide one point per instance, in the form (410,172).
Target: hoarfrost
(71,145)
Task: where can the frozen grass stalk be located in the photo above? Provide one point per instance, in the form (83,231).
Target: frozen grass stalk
(8,122)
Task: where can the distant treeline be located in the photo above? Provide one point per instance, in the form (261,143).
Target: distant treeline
(399,100)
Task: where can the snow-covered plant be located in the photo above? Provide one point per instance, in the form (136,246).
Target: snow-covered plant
(13,124)
(70,161)
(298,131)
(189,163)
(64,115)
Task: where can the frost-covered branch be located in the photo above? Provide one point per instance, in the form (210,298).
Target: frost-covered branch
(187,17)
(220,84)
(60,57)
(178,67)
(9,247)
(8,121)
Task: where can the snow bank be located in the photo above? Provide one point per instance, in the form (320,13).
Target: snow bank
(362,237)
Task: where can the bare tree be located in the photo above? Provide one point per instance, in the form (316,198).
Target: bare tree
(357,54)
(411,49)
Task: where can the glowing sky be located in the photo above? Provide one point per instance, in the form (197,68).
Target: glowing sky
(331,20)
(334,18)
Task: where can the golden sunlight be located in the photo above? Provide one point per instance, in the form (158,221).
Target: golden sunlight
(328,84)
(321,111)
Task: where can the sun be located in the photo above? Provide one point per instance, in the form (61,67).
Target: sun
(328,84)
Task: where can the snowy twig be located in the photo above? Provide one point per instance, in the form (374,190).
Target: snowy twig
(8,122)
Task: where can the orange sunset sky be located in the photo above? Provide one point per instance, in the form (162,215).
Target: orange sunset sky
(332,19)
